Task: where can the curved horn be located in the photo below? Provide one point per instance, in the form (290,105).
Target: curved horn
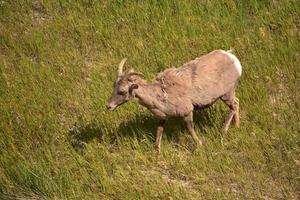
(120,68)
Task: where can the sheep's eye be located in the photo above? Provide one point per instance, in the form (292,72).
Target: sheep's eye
(121,92)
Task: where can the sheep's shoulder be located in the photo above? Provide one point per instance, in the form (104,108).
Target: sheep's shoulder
(173,79)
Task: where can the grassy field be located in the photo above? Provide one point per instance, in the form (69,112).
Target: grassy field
(57,64)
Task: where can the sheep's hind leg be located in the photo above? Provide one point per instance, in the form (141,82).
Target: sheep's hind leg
(233,103)
(189,124)
(236,117)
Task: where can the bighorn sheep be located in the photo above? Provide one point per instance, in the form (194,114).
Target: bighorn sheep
(178,91)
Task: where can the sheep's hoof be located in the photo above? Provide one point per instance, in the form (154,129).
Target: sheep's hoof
(224,129)
(200,143)
(157,150)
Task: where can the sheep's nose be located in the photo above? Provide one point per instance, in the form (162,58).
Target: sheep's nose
(108,107)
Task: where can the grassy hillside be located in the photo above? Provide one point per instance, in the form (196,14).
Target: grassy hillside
(57,64)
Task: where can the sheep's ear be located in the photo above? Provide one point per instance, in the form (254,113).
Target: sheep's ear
(131,77)
(135,73)
(131,71)
(133,87)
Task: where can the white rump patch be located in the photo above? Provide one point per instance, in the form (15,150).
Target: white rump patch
(236,61)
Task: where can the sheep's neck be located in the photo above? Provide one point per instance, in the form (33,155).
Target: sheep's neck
(151,96)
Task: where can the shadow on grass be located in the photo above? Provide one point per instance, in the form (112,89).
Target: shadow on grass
(140,127)
(81,135)
(206,118)
(144,126)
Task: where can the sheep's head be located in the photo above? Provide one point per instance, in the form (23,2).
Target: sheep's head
(124,87)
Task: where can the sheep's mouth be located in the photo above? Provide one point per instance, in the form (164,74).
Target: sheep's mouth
(112,108)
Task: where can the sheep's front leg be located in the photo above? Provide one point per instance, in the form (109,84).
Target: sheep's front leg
(159,132)
(189,124)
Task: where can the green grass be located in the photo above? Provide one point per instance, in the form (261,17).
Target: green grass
(57,65)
